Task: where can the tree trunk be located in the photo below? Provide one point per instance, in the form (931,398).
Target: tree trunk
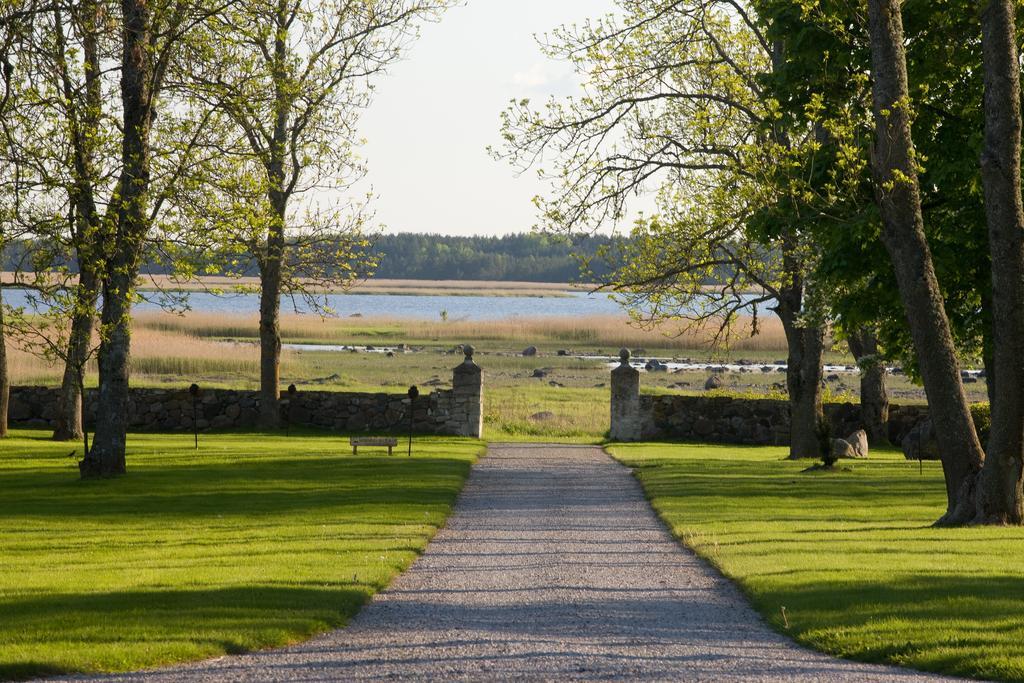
(107,456)
(988,357)
(69,401)
(5,379)
(86,225)
(898,196)
(874,399)
(272,266)
(809,434)
(1000,495)
(808,430)
(270,331)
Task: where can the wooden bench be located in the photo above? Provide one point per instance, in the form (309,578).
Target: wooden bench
(376,441)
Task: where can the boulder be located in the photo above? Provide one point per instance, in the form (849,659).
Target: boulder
(920,442)
(841,448)
(544,416)
(655,366)
(714,382)
(539,373)
(859,441)
(530,351)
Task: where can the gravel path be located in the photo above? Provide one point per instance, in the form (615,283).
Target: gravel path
(552,567)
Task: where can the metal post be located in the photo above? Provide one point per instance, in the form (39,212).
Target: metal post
(194,391)
(413,395)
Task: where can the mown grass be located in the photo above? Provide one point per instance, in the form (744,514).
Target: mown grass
(254,541)
(851,556)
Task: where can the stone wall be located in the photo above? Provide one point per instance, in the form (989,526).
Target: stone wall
(456,412)
(721,419)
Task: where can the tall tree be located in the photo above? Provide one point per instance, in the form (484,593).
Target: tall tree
(674,102)
(83,104)
(1000,493)
(69,136)
(291,78)
(895,169)
(151,36)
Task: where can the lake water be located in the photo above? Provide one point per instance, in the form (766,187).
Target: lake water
(573,304)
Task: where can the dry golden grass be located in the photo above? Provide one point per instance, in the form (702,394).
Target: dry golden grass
(604,331)
(154,353)
(601,331)
(171,348)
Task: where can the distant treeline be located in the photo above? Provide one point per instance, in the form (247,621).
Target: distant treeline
(513,258)
(519,258)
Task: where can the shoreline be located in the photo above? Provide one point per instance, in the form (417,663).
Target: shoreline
(381,287)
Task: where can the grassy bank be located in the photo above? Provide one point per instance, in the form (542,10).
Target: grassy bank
(249,543)
(851,557)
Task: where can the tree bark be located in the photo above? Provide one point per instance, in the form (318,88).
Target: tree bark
(898,196)
(809,433)
(5,379)
(69,402)
(1000,495)
(874,399)
(270,330)
(808,430)
(107,456)
(988,358)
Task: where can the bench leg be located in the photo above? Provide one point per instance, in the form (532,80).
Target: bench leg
(355,450)
(389,452)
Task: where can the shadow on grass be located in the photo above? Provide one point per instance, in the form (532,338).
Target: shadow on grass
(945,622)
(201,621)
(262,487)
(255,541)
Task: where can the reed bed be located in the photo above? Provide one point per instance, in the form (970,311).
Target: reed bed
(606,331)
(155,352)
(601,331)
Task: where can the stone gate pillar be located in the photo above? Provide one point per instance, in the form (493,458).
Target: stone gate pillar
(468,397)
(625,401)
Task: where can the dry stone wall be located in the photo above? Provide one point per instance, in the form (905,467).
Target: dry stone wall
(722,419)
(456,412)
(760,422)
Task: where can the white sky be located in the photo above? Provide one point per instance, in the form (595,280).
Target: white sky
(436,112)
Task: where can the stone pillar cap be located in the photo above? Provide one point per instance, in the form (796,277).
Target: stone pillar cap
(624,356)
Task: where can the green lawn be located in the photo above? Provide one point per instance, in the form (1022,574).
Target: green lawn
(255,541)
(851,556)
